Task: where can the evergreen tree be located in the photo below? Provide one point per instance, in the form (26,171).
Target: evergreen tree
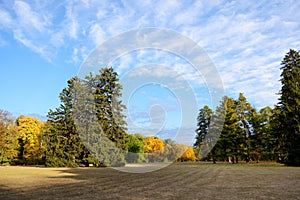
(277,133)
(203,122)
(98,114)
(62,144)
(263,147)
(245,131)
(203,143)
(109,107)
(230,138)
(290,106)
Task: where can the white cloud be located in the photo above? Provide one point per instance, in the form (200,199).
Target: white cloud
(246,40)
(97,34)
(5,18)
(42,50)
(72,23)
(27,17)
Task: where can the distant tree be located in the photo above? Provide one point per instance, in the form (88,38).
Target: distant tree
(154,146)
(30,129)
(203,122)
(263,144)
(136,147)
(290,106)
(169,141)
(277,132)
(188,155)
(245,114)
(8,138)
(231,136)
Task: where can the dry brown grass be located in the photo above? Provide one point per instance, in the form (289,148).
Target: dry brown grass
(177,181)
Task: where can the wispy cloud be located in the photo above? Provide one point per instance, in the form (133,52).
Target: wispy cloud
(28,18)
(5,18)
(245,39)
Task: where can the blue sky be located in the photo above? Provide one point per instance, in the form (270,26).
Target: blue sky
(44,43)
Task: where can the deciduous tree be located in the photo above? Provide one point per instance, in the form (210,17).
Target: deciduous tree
(30,129)
(154,146)
(8,138)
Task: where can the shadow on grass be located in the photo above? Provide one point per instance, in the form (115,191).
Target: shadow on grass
(177,181)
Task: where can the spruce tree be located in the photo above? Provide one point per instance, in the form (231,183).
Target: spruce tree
(243,137)
(98,114)
(62,144)
(203,121)
(231,136)
(109,107)
(290,106)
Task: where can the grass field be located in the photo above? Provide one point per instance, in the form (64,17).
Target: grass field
(177,181)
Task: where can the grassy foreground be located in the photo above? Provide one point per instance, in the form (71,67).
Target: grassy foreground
(177,181)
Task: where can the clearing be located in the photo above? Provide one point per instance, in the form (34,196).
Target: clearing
(177,181)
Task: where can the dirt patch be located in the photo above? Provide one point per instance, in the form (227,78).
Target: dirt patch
(176,181)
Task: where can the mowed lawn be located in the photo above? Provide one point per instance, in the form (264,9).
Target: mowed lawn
(177,181)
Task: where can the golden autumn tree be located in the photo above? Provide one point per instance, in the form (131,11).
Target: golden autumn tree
(188,155)
(155,147)
(29,129)
(8,138)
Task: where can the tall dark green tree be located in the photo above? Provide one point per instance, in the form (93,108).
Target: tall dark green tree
(290,106)
(109,106)
(230,138)
(98,113)
(202,141)
(277,132)
(203,122)
(61,143)
(244,112)
(264,142)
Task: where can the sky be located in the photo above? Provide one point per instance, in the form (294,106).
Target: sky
(45,43)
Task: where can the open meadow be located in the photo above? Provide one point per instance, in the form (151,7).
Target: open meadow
(177,181)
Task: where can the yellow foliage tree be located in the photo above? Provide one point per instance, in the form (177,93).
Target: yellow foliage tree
(188,155)
(29,129)
(185,152)
(8,138)
(153,144)
(155,147)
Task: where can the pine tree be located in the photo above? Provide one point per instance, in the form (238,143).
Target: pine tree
(290,106)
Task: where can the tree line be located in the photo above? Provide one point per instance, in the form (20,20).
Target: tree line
(247,134)
(89,127)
